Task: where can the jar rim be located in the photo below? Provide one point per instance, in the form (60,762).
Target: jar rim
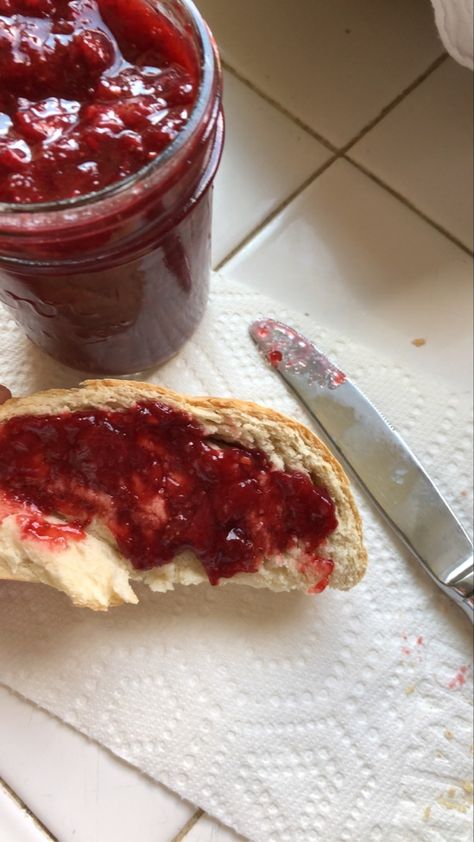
(111,191)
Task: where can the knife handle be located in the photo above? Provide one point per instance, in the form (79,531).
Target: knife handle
(461,589)
(468,607)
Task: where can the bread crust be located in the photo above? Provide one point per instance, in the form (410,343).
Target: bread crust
(100,579)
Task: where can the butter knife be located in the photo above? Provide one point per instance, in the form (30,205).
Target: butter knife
(385,466)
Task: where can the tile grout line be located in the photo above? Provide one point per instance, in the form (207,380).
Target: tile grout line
(394,102)
(275,212)
(25,809)
(308,181)
(181,835)
(364,130)
(277,105)
(408,204)
(339,154)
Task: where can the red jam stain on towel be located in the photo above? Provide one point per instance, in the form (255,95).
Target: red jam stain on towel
(162,486)
(90,92)
(279,343)
(459,679)
(419,642)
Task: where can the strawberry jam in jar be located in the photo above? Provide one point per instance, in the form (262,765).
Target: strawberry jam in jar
(111,132)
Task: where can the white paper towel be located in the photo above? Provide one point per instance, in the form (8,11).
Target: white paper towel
(343,717)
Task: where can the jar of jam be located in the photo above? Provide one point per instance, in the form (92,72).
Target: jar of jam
(111,131)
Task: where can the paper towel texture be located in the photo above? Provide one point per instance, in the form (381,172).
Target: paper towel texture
(343,718)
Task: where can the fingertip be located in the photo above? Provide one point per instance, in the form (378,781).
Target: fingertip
(5,394)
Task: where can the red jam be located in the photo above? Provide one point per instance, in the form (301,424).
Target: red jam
(275,357)
(162,486)
(114,108)
(90,92)
(55,534)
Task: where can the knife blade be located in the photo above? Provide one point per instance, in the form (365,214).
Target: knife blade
(385,466)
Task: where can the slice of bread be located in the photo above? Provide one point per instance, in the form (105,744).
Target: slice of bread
(96,575)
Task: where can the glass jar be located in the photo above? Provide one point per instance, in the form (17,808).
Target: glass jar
(116,281)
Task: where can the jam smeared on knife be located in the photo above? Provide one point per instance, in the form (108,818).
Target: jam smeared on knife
(162,486)
(90,92)
(279,343)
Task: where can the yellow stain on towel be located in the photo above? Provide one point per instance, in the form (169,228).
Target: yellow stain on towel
(449,804)
(459,798)
(468,787)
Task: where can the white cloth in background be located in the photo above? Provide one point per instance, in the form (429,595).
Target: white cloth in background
(454,19)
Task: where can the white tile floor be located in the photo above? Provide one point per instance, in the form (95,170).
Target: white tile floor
(362,219)
(352,256)
(332,65)
(51,758)
(274,169)
(424,149)
(15,822)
